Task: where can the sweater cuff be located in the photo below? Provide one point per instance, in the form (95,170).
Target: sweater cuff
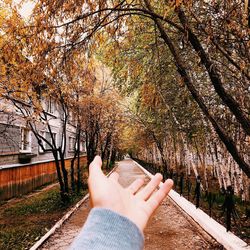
(106,229)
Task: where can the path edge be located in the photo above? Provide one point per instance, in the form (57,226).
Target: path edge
(59,223)
(227,239)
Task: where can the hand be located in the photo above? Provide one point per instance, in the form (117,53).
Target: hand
(136,206)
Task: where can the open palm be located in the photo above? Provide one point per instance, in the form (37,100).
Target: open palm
(137,205)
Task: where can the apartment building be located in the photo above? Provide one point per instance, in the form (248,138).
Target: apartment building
(19,145)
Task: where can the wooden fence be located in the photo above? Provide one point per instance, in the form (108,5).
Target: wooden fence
(19,179)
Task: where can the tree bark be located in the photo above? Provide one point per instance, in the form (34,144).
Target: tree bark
(214,75)
(79,172)
(59,175)
(228,142)
(64,171)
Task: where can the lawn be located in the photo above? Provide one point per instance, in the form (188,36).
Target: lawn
(25,220)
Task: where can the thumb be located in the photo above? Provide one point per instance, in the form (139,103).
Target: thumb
(95,179)
(95,171)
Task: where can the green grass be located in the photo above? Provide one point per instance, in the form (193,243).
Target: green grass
(20,238)
(45,203)
(23,223)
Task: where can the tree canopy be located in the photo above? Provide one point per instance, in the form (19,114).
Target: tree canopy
(181,67)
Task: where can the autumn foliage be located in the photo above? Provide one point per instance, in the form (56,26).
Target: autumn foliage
(182,68)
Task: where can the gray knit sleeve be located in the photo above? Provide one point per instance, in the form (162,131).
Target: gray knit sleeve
(107,230)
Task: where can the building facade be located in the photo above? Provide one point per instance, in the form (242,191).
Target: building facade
(19,145)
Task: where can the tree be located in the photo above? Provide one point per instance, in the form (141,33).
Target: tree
(34,91)
(204,63)
(115,16)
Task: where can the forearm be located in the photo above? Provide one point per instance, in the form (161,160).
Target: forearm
(107,230)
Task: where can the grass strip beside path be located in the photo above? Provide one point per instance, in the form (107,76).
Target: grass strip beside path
(22,223)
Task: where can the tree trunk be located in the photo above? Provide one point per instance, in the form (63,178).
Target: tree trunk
(228,142)
(214,75)
(79,172)
(59,175)
(72,172)
(64,171)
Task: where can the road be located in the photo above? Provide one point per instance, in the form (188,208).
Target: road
(169,228)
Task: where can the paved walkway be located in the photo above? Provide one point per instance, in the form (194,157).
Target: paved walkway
(168,229)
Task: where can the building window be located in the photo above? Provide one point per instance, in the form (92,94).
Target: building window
(83,146)
(47,136)
(50,106)
(72,143)
(25,140)
(72,119)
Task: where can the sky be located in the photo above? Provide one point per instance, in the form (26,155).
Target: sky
(26,8)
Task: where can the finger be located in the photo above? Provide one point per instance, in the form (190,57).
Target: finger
(95,179)
(154,201)
(150,187)
(114,176)
(95,171)
(135,186)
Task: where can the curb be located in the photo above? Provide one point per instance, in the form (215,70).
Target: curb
(63,219)
(59,224)
(212,227)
